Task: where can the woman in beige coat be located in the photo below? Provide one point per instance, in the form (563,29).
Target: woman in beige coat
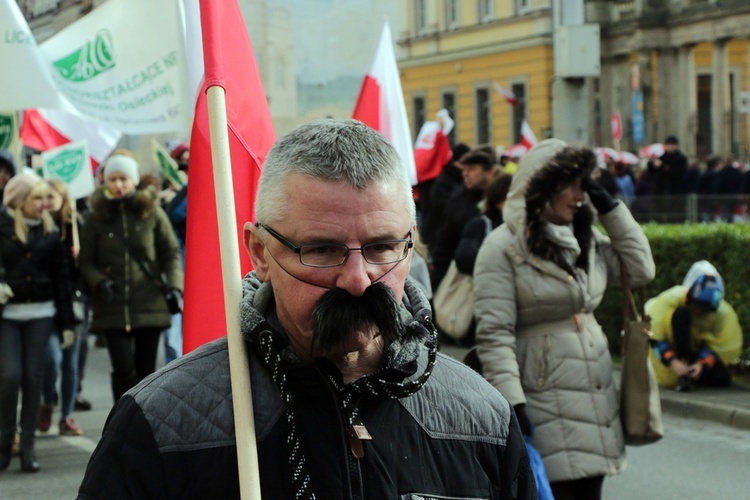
(537,280)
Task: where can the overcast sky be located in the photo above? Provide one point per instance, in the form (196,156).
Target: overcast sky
(337,37)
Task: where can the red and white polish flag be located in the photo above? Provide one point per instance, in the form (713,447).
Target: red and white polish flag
(528,138)
(45,129)
(432,149)
(381,102)
(508,95)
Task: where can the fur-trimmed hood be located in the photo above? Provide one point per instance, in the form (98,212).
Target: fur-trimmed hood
(549,167)
(142,202)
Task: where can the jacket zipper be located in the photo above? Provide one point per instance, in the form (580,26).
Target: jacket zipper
(354,469)
(128,265)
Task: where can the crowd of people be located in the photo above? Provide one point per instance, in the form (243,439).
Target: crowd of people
(656,189)
(56,287)
(337,317)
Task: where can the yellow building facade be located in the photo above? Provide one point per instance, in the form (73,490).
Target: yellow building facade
(691,58)
(456,51)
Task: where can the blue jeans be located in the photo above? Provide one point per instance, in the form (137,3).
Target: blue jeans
(173,339)
(66,363)
(23,348)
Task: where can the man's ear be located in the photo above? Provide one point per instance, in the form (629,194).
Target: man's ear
(255,248)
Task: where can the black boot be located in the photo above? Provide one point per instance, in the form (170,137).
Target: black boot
(685,384)
(29,462)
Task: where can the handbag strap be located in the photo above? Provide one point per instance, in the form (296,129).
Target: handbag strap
(631,310)
(141,263)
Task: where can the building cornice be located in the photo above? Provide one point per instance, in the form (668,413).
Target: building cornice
(684,29)
(480,51)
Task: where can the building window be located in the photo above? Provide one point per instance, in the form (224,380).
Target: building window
(519,110)
(420,16)
(485,10)
(482,112)
(451,14)
(418,114)
(449,103)
(522,6)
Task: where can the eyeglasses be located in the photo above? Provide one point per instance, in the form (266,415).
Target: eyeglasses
(334,255)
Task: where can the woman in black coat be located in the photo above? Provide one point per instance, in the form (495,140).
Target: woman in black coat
(36,293)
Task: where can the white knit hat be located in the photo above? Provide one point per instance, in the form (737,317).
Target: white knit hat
(123,164)
(18,188)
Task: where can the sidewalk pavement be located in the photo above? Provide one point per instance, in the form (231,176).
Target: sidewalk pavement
(729,406)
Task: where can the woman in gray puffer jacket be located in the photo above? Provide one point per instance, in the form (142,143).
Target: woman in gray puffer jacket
(538,279)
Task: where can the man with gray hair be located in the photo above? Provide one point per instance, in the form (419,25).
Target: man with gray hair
(351,399)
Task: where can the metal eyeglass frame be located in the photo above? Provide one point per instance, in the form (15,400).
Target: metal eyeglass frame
(298,249)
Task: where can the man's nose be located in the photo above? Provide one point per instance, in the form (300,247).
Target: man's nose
(355,274)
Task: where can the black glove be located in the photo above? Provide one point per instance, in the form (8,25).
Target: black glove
(174,301)
(106,290)
(523,420)
(600,198)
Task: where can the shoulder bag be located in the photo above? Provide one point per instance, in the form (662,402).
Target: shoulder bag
(640,406)
(454,300)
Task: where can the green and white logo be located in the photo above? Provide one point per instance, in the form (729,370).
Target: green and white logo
(7,130)
(94,58)
(166,163)
(66,165)
(70,163)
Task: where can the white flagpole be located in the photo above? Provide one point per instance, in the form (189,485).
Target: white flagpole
(239,369)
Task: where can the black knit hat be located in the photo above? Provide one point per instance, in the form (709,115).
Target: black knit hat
(459,150)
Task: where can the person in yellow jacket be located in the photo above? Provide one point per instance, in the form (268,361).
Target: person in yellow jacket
(696,333)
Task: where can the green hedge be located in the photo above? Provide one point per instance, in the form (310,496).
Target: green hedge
(675,249)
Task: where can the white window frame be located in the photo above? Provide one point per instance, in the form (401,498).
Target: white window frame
(452,14)
(485,10)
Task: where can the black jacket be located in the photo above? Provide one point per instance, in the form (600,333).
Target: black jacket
(449,180)
(39,270)
(172,436)
(461,207)
(471,239)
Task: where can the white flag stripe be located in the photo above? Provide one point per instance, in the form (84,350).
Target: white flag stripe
(101,140)
(393,121)
(528,138)
(507,94)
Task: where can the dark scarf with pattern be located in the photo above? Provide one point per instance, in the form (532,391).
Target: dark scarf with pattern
(274,349)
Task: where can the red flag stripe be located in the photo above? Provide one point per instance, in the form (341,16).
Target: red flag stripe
(230,63)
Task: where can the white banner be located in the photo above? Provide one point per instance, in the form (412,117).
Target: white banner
(124,64)
(70,163)
(26,79)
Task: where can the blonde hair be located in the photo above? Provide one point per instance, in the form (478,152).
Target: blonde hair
(66,209)
(41,188)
